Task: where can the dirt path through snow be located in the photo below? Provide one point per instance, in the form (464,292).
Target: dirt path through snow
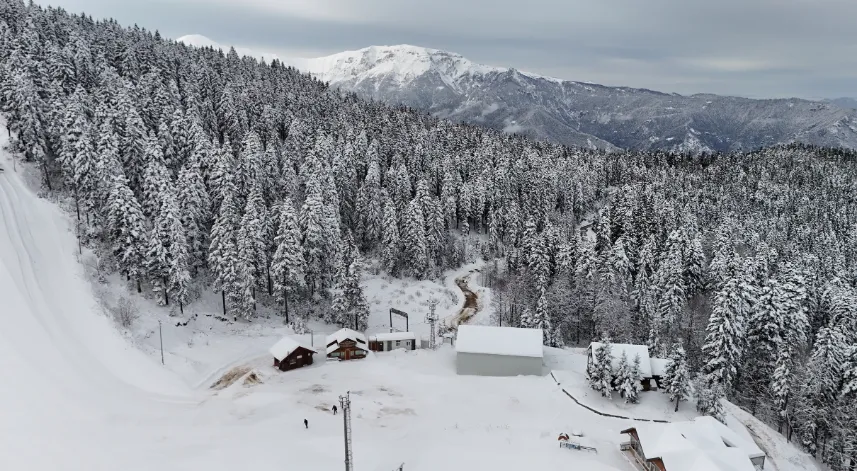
(471,302)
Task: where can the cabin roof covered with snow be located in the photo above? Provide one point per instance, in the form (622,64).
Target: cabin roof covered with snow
(286,346)
(631,351)
(333,340)
(391,336)
(659,366)
(703,444)
(492,340)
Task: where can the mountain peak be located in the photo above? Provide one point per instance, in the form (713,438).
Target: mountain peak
(401,63)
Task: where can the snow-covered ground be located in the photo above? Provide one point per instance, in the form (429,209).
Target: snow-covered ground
(79,394)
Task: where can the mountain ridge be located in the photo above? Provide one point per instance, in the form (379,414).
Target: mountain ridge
(580,114)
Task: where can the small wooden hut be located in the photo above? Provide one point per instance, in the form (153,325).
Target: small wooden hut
(346,344)
(289,354)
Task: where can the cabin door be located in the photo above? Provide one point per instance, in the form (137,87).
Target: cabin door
(347,354)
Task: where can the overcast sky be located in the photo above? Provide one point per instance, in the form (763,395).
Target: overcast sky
(755,48)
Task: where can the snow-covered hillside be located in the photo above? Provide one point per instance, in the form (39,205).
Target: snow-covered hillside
(79,396)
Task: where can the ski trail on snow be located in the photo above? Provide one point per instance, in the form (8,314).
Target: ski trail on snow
(61,319)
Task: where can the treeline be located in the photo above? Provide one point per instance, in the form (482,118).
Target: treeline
(194,167)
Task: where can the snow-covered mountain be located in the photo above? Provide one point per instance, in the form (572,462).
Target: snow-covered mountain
(576,113)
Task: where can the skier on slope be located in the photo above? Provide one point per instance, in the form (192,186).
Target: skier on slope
(306,423)
(334,410)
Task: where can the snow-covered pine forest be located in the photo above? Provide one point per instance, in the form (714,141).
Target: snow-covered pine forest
(198,168)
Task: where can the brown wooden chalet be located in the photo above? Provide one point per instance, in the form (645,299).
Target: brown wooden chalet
(347,344)
(289,354)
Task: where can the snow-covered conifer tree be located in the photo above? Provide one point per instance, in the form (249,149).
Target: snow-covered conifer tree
(601,372)
(223,250)
(390,241)
(724,337)
(287,266)
(413,240)
(677,377)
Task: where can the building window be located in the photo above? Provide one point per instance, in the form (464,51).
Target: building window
(398,343)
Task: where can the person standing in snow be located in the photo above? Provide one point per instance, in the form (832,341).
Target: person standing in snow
(306,423)
(334,410)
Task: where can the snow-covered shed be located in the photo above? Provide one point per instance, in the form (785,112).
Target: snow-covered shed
(703,444)
(385,342)
(649,367)
(498,351)
(346,344)
(289,354)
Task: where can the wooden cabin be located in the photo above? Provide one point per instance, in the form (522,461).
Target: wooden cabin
(347,344)
(393,341)
(703,444)
(289,354)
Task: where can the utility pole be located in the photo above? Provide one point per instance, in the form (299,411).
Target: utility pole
(161,335)
(345,406)
(431,318)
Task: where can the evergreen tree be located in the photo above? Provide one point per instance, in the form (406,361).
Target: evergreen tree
(723,338)
(628,379)
(252,256)
(313,237)
(413,240)
(601,371)
(194,204)
(677,377)
(126,229)
(158,252)
(350,307)
(179,266)
(390,240)
(223,251)
(287,266)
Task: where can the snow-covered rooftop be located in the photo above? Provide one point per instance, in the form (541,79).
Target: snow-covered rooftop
(499,341)
(631,351)
(285,347)
(659,366)
(703,444)
(341,335)
(391,336)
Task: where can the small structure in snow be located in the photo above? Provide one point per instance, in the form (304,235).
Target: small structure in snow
(289,354)
(650,368)
(346,344)
(498,351)
(386,342)
(703,444)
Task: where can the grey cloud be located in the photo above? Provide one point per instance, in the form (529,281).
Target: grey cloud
(744,47)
